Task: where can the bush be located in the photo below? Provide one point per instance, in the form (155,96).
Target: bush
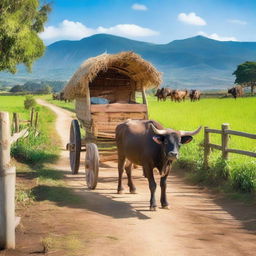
(29,102)
(244,178)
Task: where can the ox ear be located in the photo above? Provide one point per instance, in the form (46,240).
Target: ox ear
(158,139)
(186,139)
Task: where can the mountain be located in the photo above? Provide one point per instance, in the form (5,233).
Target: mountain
(196,62)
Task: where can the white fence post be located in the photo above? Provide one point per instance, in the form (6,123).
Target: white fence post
(7,186)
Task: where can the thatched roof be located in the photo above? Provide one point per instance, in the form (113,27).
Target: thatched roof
(143,73)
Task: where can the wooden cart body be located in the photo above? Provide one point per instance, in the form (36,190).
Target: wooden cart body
(117,79)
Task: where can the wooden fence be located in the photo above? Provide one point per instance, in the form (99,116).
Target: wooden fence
(225,133)
(8,221)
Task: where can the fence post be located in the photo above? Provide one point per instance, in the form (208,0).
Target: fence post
(7,187)
(207,149)
(31,117)
(224,140)
(16,122)
(36,120)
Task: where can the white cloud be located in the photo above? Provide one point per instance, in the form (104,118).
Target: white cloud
(76,30)
(139,7)
(217,37)
(239,22)
(191,19)
(130,30)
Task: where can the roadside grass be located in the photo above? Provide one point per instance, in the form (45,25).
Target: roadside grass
(70,243)
(34,154)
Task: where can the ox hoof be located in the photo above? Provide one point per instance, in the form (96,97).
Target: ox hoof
(152,208)
(133,191)
(166,207)
(120,191)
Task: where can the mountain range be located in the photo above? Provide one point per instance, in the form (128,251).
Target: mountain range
(196,62)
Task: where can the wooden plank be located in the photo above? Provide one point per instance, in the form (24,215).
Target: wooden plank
(242,152)
(213,130)
(18,135)
(215,146)
(118,107)
(242,134)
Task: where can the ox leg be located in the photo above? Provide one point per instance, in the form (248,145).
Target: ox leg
(163,199)
(121,160)
(128,169)
(152,187)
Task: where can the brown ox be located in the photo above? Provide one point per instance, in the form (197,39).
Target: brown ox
(194,95)
(163,93)
(148,144)
(179,95)
(236,91)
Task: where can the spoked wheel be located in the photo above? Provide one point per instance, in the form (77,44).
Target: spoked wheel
(74,146)
(91,165)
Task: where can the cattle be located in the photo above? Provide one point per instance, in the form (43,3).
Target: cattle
(194,95)
(236,91)
(163,93)
(179,95)
(148,144)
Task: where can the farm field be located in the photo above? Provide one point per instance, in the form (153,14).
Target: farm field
(213,112)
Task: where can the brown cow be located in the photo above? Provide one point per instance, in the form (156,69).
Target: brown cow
(163,93)
(194,95)
(179,95)
(236,91)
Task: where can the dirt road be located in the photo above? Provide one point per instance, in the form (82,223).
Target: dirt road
(197,223)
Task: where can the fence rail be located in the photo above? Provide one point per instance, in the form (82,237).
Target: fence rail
(224,132)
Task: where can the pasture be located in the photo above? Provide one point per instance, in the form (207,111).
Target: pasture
(239,170)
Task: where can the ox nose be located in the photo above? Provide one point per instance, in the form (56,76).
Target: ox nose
(173,155)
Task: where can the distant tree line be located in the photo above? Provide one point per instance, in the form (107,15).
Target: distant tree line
(43,87)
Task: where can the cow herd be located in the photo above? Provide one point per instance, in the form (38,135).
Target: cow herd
(194,95)
(177,95)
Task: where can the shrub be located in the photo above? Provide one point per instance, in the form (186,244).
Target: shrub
(29,102)
(244,177)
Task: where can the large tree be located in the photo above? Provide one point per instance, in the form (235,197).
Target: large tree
(20,23)
(246,74)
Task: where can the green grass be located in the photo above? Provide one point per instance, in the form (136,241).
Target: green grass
(240,114)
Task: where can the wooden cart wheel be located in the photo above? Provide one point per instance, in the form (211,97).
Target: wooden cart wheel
(74,146)
(91,165)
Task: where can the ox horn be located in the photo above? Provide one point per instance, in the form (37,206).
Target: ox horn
(157,131)
(190,133)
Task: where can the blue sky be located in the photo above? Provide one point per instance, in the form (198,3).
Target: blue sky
(157,21)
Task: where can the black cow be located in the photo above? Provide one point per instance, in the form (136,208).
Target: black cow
(148,144)
(236,91)
(163,93)
(194,95)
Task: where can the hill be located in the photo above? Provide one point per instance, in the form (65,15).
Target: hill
(194,62)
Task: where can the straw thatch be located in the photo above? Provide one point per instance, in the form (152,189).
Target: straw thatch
(143,73)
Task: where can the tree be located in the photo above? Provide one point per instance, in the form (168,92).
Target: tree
(20,23)
(246,74)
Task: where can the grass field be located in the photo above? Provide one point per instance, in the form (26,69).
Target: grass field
(240,170)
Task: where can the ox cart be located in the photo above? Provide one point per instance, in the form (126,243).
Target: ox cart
(105,89)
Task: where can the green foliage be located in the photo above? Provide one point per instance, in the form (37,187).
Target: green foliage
(245,73)
(244,177)
(29,102)
(20,23)
(41,149)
